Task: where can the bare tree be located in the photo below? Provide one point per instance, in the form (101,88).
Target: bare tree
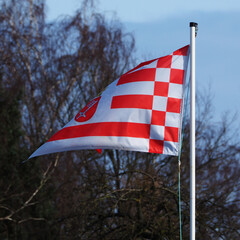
(56,68)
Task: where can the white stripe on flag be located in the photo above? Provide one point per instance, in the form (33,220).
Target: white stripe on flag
(124,143)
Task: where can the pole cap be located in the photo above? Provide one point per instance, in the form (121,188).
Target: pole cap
(193,24)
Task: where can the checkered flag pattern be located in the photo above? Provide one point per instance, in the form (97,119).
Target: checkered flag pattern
(140,111)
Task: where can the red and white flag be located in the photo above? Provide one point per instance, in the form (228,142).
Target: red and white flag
(140,111)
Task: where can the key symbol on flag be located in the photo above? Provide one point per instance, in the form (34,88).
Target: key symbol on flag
(82,114)
(88,111)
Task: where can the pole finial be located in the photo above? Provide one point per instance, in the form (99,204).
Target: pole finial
(194,24)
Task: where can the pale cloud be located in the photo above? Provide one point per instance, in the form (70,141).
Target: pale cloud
(151,10)
(143,10)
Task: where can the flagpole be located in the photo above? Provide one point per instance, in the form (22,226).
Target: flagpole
(193,30)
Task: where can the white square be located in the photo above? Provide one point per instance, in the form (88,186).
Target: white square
(157,132)
(162,75)
(175,90)
(179,62)
(172,119)
(152,64)
(171,148)
(160,103)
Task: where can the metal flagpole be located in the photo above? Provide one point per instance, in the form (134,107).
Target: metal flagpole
(193,31)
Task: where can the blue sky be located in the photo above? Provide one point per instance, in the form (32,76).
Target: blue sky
(160,27)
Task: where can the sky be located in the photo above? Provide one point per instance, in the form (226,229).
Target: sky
(160,27)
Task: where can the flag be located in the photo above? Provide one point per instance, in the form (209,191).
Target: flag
(140,111)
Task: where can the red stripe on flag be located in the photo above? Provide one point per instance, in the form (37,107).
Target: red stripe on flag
(147,74)
(116,129)
(132,101)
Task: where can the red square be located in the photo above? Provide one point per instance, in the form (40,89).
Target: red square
(155,146)
(174,105)
(171,134)
(176,76)
(182,51)
(161,89)
(158,118)
(165,62)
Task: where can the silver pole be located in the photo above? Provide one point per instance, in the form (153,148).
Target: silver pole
(193,28)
